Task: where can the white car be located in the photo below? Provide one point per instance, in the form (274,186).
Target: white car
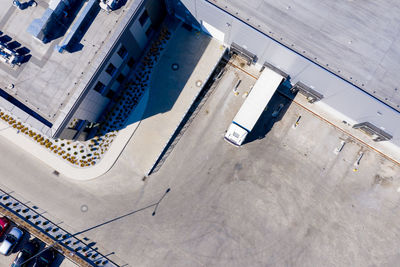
(11,240)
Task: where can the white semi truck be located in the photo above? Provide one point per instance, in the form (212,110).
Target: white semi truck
(253,106)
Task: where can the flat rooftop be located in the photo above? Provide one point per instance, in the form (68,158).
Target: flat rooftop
(48,79)
(357,40)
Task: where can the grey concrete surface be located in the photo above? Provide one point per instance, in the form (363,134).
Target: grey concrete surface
(357,40)
(285,199)
(172,93)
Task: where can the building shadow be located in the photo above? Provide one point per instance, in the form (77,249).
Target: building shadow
(168,78)
(189,116)
(273,113)
(63,20)
(166,85)
(75,45)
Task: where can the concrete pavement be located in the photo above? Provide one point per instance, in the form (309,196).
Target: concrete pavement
(283,199)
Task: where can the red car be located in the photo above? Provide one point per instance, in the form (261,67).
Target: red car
(4,222)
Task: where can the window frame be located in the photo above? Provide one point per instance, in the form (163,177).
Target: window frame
(144,18)
(124,53)
(101,89)
(117,79)
(131,62)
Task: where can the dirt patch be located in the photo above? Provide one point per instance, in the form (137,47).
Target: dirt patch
(383,181)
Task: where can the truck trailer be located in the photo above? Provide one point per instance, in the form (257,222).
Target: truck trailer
(253,106)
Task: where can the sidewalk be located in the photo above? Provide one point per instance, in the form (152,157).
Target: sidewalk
(63,166)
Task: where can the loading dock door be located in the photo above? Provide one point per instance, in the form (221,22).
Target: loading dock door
(237,49)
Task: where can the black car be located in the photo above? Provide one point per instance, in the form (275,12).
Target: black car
(29,250)
(45,258)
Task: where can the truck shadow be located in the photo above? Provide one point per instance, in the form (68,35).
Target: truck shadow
(273,113)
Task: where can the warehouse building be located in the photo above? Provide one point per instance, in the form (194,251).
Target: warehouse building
(64,61)
(341,56)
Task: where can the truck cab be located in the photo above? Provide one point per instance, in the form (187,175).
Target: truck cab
(235,134)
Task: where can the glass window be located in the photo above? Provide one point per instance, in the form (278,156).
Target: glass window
(111,69)
(110,94)
(143,18)
(120,78)
(99,87)
(131,62)
(122,52)
(149,31)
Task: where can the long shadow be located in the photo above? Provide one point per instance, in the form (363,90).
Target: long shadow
(274,112)
(115,219)
(60,257)
(155,205)
(167,84)
(75,44)
(189,116)
(61,23)
(164,80)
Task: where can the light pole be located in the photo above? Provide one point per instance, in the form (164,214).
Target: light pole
(155,209)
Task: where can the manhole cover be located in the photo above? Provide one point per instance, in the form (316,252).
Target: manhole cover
(84,208)
(175,66)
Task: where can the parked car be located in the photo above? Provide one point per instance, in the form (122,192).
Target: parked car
(29,250)
(11,240)
(4,222)
(45,259)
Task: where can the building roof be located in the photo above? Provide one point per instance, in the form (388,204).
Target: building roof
(48,80)
(356,40)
